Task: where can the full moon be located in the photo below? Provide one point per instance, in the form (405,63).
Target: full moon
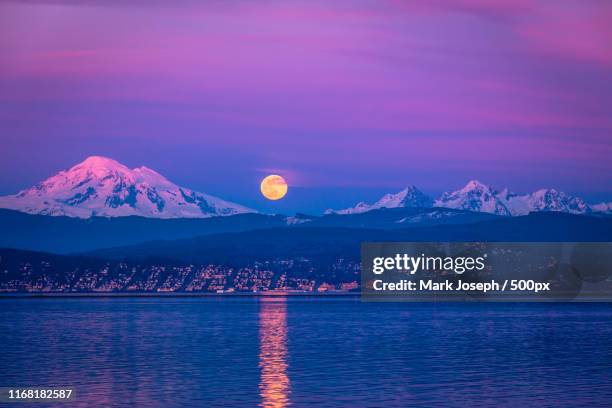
(273,187)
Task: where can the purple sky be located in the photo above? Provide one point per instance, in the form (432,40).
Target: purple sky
(346,99)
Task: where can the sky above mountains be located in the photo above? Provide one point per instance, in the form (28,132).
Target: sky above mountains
(346,99)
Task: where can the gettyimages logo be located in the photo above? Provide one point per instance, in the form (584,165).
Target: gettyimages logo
(514,271)
(413,264)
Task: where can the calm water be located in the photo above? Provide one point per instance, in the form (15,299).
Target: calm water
(186,352)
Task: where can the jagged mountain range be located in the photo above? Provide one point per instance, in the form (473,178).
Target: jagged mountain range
(410,197)
(100,186)
(478,197)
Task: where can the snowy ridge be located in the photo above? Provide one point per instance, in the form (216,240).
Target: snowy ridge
(605,208)
(475,196)
(544,200)
(478,197)
(410,197)
(100,186)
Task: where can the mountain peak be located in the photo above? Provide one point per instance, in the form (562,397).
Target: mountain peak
(554,200)
(150,175)
(101,186)
(99,161)
(409,197)
(474,185)
(474,196)
(477,196)
(95,166)
(603,207)
(544,191)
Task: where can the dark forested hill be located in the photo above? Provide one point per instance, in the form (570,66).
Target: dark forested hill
(333,242)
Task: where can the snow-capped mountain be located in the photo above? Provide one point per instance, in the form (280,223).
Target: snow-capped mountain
(605,208)
(100,186)
(476,196)
(410,197)
(298,219)
(543,200)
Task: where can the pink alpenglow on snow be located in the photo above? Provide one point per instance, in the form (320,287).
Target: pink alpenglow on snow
(100,186)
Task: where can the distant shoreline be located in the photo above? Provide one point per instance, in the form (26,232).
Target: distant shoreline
(174,294)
